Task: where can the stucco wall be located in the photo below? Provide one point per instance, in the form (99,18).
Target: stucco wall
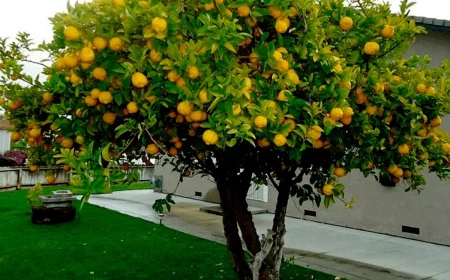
(195,187)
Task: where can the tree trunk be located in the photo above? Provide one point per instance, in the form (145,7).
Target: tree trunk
(271,270)
(231,232)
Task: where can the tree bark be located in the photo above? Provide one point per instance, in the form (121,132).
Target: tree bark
(271,270)
(231,232)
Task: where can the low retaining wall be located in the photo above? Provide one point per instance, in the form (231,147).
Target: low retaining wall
(12,178)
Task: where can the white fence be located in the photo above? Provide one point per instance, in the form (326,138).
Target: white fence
(12,178)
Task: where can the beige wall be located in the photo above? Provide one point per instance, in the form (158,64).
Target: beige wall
(205,187)
(379,209)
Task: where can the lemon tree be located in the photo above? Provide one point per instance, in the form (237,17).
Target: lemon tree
(240,90)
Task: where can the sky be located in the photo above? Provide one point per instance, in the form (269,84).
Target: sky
(31,16)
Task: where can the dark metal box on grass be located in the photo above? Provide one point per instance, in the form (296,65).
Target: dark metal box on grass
(57,208)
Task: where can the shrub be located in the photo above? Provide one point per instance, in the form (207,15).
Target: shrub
(18,156)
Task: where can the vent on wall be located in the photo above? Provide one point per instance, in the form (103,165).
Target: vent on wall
(198,193)
(412,230)
(310,213)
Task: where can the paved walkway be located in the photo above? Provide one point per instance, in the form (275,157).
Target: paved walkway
(339,251)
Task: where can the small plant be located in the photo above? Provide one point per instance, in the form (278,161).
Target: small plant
(157,182)
(33,195)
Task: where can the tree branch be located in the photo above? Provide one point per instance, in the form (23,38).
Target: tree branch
(34,62)
(299,178)
(151,137)
(390,50)
(267,244)
(277,187)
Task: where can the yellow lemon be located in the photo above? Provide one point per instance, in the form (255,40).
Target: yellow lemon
(282,25)
(243,11)
(203,96)
(105,97)
(254,58)
(446,147)
(336,114)
(109,118)
(119,3)
(193,72)
(371,109)
(346,120)
(282,96)
(71,33)
(71,60)
(173,76)
(99,73)
(421,88)
(184,108)
(152,149)
(59,63)
(436,122)
(378,87)
(181,82)
(275,12)
(210,137)
(15,136)
(139,80)
(292,124)
(347,85)
(95,93)
(155,56)
(346,23)
(47,98)
(159,25)
(403,149)
(282,65)
(430,90)
(99,43)
(293,77)
(236,109)
(67,143)
(277,55)
(209,7)
(387,32)
(260,121)
(87,55)
(90,101)
(76,80)
(371,48)
(116,44)
(132,107)
(328,189)
(313,134)
(279,140)
(339,172)
(263,143)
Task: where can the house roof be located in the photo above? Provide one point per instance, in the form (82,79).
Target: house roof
(5,124)
(433,23)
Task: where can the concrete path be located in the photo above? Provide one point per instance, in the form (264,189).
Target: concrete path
(339,251)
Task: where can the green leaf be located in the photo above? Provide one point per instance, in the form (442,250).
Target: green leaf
(84,199)
(229,46)
(105,153)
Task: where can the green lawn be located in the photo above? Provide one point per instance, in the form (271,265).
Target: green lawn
(103,244)
(114,188)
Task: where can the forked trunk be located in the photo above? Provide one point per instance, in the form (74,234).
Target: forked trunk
(272,254)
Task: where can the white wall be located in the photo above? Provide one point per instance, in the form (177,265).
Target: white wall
(5,141)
